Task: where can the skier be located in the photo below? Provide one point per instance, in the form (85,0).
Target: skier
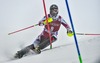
(42,41)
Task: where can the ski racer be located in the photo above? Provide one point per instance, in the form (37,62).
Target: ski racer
(43,40)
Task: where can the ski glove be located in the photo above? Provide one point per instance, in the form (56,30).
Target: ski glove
(70,33)
(49,21)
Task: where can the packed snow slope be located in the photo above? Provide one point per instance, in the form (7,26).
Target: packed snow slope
(18,14)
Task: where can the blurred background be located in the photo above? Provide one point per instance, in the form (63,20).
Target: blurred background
(18,14)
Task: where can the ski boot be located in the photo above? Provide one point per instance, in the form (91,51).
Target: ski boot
(37,50)
(19,54)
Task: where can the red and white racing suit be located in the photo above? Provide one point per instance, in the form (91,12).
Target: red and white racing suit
(54,28)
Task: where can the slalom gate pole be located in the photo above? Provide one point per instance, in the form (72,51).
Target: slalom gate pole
(75,38)
(47,23)
(86,34)
(22,29)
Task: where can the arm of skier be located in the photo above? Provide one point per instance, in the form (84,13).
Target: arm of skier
(64,23)
(41,21)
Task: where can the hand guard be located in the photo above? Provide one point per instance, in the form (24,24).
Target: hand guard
(70,33)
(49,21)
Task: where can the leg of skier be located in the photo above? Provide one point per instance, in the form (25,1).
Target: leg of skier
(43,43)
(46,42)
(39,44)
(25,50)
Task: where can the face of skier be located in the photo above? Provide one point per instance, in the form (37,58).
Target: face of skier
(54,12)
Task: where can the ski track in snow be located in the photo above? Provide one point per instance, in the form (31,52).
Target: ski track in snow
(54,49)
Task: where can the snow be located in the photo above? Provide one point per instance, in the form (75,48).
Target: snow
(18,14)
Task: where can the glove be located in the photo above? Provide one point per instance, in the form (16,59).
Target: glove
(49,21)
(70,33)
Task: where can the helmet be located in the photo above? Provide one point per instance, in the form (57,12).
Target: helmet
(54,10)
(54,6)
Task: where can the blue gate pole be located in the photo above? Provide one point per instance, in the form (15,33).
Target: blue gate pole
(75,38)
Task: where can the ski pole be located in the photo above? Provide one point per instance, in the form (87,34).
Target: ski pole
(86,34)
(22,29)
